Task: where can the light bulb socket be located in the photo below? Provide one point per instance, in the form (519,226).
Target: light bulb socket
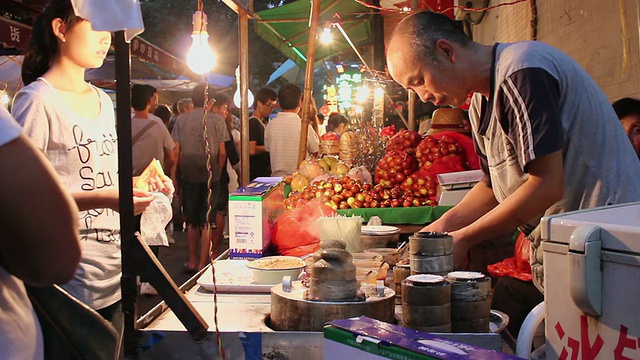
(199,22)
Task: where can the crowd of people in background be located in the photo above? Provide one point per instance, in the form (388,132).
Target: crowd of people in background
(173,135)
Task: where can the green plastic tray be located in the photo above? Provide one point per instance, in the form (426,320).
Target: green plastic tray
(400,215)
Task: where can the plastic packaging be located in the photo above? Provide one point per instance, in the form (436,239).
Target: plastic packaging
(374,221)
(154,220)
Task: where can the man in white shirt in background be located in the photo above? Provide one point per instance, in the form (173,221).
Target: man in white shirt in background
(282,135)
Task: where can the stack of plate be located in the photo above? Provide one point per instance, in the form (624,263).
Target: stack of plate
(381,236)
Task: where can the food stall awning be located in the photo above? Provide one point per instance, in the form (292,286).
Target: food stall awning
(148,63)
(287,27)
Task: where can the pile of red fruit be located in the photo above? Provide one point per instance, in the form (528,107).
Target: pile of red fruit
(394,167)
(404,177)
(430,149)
(443,151)
(347,193)
(404,140)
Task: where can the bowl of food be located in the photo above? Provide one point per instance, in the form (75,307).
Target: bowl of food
(271,269)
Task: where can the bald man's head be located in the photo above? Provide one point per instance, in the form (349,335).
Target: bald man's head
(418,34)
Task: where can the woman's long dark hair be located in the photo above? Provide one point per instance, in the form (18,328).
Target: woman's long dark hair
(43,44)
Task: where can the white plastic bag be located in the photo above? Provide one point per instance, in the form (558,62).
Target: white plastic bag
(154,220)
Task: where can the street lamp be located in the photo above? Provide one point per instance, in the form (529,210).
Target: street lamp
(200,57)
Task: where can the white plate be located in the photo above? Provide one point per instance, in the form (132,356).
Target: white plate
(232,276)
(380,230)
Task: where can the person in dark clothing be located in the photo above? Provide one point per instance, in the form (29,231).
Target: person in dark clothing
(628,111)
(259,162)
(221,108)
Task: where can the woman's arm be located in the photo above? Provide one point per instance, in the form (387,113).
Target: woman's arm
(39,226)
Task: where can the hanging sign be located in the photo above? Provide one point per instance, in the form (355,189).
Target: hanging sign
(14,34)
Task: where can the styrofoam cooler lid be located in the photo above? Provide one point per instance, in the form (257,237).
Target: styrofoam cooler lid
(621,225)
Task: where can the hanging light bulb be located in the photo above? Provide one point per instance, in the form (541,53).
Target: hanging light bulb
(362,95)
(236,97)
(378,94)
(200,57)
(326,37)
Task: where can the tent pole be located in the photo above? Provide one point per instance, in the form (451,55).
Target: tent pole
(411,95)
(243,35)
(308,79)
(127,224)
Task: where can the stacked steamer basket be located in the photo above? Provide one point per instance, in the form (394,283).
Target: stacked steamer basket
(431,253)
(470,301)
(333,275)
(426,303)
(380,236)
(400,272)
(332,293)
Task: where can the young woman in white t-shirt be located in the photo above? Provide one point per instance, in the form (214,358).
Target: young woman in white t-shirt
(73,123)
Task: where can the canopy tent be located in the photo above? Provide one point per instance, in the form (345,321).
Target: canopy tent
(287,27)
(156,71)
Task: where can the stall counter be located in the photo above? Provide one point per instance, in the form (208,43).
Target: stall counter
(244,333)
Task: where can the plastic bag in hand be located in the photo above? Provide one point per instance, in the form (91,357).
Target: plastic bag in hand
(154,220)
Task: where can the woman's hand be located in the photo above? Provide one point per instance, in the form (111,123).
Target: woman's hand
(141,200)
(163,185)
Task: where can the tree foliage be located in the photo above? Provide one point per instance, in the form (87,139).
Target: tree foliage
(168,25)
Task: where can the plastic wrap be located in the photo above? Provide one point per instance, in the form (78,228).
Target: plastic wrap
(154,219)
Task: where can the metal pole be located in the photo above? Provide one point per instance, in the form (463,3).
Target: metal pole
(377,28)
(308,78)
(243,35)
(411,95)
(411,104)
(127,224)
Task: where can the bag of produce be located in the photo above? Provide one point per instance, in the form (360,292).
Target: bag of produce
(297,232)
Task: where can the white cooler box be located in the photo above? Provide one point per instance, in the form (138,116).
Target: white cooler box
(592,283)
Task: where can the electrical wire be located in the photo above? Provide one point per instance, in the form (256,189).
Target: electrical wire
(464,8)
(208,215)
(210,194)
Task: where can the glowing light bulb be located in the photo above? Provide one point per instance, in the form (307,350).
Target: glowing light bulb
(363,94)
(236,96)
(326,37)
(200,57)
(379,93)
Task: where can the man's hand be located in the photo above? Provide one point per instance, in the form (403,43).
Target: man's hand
(460,245)
(436,226)
(460,251)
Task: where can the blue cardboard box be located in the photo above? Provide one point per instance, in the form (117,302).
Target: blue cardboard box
(364,338)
